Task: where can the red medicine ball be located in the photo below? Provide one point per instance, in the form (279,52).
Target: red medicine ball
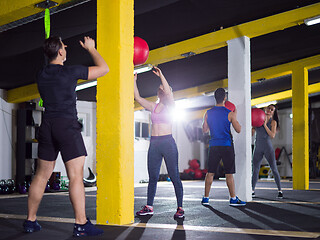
(194,164)
(141,51)
(229,105)
(197,174)
(257,117)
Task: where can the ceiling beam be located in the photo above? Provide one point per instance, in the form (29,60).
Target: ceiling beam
(285,69)
(267,73)
(26,93)
(312,88)
(29,92)
(218,39)
(13,10)
(190,92)
(198,114)
(213,41)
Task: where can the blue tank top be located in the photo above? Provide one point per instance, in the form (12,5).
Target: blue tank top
(219,126)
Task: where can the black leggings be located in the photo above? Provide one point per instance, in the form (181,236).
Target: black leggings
(163,147)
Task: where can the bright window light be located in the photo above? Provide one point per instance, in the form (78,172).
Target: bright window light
(266,104)
(178,114)
(182,103)
(312,21)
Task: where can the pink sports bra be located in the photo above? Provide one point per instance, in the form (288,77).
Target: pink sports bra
(163,116)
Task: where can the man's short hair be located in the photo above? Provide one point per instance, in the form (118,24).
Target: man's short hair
(219,95)
(51,47)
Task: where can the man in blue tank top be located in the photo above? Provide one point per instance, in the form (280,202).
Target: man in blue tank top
(217,120)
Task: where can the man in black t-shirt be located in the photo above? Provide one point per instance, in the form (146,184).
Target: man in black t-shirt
(60,130)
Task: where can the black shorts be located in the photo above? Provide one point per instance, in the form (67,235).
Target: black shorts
(60,135)
(226,153)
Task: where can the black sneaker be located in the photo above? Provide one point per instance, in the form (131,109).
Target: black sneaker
(30,226)
(179,213)
(87,229)
(280,195)
(253,194)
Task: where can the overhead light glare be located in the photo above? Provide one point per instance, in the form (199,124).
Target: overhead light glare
(182,103)
(208,94)
(142,68)
(266,104)
(261,80)
(312,21)
(188,54)
(86,85)
(138,69)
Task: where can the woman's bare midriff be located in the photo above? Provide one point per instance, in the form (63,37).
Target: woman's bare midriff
(161,129)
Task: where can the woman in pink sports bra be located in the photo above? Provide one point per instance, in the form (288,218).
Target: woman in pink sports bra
(162,144)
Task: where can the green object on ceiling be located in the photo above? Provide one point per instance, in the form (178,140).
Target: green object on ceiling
(47,23)
(40,103)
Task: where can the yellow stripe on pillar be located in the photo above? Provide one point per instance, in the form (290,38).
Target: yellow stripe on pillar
(114,151)
(300,138)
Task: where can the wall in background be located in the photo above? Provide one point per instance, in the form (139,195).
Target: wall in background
(8,138)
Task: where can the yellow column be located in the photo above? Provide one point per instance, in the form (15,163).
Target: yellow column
(300,141)
(114,151)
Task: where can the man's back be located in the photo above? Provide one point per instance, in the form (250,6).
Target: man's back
(56,84)
(219,125)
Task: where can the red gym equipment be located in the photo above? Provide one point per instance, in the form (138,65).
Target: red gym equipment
(278,153)
(257,117)
(194,164)
(229,105)
(197,174)
(141,51)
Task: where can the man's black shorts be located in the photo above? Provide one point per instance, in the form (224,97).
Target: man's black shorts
(226,153)
(60,134)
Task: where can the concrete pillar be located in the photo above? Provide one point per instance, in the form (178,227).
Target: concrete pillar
(239,93)
(115,114)
(300,130)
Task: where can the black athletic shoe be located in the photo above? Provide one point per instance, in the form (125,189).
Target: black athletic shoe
(280,195)
(179,213)
(30,226)
(87,229)
(253,194)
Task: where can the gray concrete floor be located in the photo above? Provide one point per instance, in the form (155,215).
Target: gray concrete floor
(297,216)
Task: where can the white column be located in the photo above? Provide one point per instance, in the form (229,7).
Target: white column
(239,93)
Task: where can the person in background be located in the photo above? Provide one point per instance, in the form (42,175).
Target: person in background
(263,147)
(217,120)
(162,144)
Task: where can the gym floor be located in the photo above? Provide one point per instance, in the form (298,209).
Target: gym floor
(297,216)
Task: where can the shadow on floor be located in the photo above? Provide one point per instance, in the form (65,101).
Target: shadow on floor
(285,219)
(234,221)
